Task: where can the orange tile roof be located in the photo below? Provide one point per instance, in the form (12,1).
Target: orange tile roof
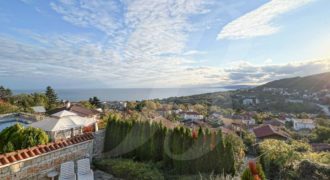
(19,155)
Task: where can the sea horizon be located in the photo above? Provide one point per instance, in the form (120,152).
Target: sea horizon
(125,94)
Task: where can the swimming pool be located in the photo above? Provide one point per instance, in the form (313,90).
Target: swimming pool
(5,124)
(9,122)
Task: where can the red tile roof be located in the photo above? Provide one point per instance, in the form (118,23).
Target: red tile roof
(268,130)
(320,146)
(18,155)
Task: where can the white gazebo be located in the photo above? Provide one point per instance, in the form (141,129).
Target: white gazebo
(64,113)
(65,126)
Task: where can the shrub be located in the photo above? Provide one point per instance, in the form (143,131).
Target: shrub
(128,169)
(17,137)
(253,169)
(308,170)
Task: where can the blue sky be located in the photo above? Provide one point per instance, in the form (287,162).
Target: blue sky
(160,43)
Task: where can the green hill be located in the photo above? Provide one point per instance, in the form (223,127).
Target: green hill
(314,83)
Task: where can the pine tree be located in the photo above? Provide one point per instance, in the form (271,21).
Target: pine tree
(52,97)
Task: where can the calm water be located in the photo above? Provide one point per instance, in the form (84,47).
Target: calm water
(3,125)
(125,94)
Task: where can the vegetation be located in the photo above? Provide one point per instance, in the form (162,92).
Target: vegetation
(5,93)
(130,170)
(181,150)
(51,97)
(95,102)
(7,108)
(314,83)
(23,102)
(281,159)
(17,137)
(254,171)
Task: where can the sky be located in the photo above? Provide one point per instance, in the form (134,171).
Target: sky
(160,43)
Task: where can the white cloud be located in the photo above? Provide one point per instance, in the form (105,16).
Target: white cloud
(260,21)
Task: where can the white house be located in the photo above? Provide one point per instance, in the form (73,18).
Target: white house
(303,124)
(250,101)
(191,116)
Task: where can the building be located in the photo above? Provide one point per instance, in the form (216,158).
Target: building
(39,109)
(66,126)
(193,116)
(250,101)
(275,122)
(294,101)
(164,112)
(299,124)
(77,110)
(269,132)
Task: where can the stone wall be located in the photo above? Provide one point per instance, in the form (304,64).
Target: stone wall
(37,167)
(99,137)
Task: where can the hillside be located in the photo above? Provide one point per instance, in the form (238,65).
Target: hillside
(314,83)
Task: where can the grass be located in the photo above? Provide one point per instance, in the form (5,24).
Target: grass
(128,169)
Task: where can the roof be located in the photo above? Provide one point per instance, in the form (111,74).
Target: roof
(268,130)
(79,110)
(320,146)
(62,123)
(39,109)
(191,113)
(64,113)
(19,155)
(304,121)
(82,111)
(274,122)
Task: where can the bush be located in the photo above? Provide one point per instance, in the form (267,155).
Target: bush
(17,137)
(308,170)
(254,168)
(128,169)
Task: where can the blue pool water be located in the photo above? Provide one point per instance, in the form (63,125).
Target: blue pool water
(7,123)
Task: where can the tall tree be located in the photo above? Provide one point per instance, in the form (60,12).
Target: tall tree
(51,96)
(5,92)
(95,101)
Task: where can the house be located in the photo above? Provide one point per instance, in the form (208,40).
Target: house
(39,109)
(191,115)
(118,105)
(294,101)
(274,122)
(250,101)
(177,111)
(320,147)
(269,132)
(163,112)
(78,110)
(299,124)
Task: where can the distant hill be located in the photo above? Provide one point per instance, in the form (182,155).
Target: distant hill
(313,82)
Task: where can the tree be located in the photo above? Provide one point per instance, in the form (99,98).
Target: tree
(52,97)
(5,93)
(95,101)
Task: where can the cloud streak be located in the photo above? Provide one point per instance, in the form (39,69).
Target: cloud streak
(260,22)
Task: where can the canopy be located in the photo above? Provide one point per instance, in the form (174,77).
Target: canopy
(63,123)
(64,113)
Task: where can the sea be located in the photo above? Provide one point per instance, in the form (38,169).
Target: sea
(126,94)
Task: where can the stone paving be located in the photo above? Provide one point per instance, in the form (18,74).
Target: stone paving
(100,175)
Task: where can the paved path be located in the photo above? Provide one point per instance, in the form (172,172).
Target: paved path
(100,175)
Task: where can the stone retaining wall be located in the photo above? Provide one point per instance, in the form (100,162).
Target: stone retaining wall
(36,168)
(99,137)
